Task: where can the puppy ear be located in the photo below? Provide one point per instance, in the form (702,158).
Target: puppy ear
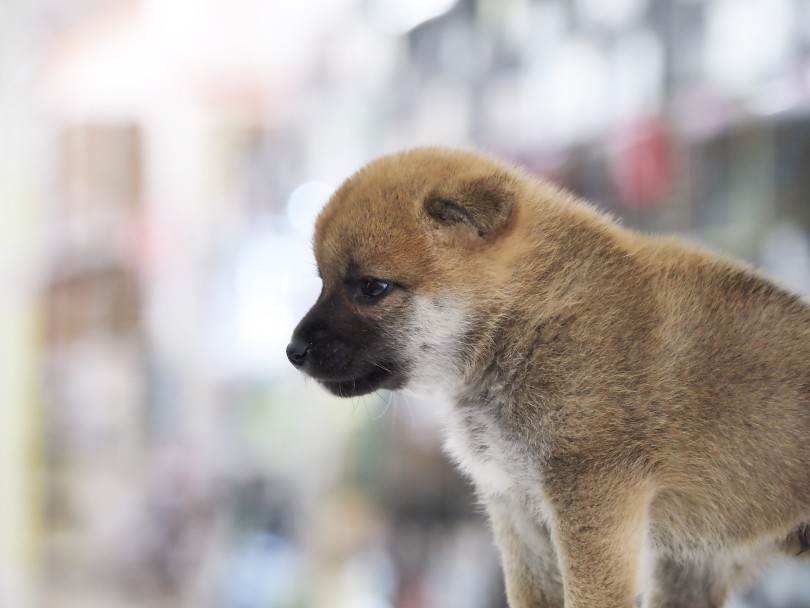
(483,204)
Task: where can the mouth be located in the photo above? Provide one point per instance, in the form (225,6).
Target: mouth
(379,377)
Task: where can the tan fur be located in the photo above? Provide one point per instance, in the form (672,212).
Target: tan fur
(614,394)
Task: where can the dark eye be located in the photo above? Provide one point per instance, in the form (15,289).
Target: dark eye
(373,289)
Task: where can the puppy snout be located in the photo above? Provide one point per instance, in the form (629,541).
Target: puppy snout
(297,351)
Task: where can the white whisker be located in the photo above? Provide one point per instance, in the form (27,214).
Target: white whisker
(410,409)
(387,405)
(381,366)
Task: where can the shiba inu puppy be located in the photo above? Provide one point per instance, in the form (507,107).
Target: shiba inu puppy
(634,412)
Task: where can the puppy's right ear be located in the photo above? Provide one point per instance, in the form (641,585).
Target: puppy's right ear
(482,204)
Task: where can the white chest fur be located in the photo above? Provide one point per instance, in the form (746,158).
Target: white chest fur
(493,460)
(485,468)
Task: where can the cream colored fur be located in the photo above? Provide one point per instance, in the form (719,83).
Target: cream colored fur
(617,398)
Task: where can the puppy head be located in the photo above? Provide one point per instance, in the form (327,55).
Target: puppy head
(407,251)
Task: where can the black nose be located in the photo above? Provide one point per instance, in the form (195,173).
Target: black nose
(297,351)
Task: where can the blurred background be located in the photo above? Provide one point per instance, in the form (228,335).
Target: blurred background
(161,165)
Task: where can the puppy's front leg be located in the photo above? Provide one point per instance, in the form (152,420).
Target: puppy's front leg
(529,560)
(599,531)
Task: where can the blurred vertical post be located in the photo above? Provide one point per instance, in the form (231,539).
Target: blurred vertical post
(19,198)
